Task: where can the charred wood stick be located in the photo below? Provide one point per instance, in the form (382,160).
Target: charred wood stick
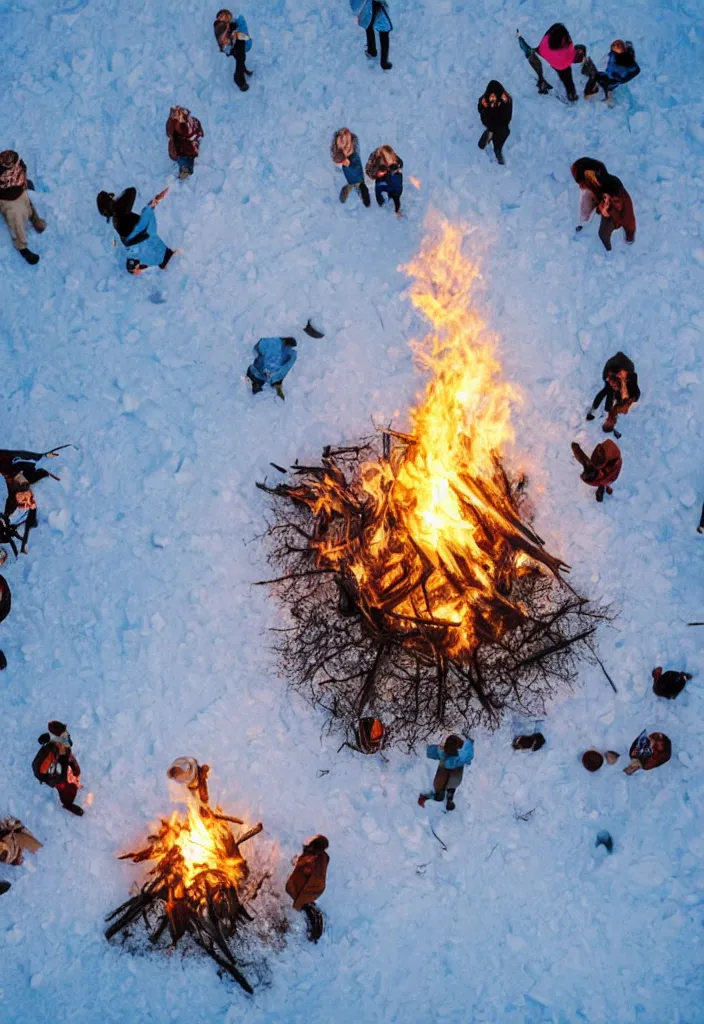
(227,817)
(370,679)
(601,665)
(226,964)
(253,831)
(292,576)
(444,623)
(159,930)
(556,647)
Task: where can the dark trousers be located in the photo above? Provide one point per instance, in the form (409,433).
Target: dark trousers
(607,392)
(67,793)
(568,82)
(382,188)
(499,137)
(240,54)
(445,783)
(371,44)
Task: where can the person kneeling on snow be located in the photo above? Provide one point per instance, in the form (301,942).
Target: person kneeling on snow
(669,684)
(648,752)
(602,468)
(234,40)
(345,153)
(453,755)
(495,110)
(15,841)
(185,132)
(620,68)
(55,765)
(15,205)
(137,233)
(275,357)
(384,167)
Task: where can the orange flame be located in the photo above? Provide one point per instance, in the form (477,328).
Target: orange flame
(204,843)
(441,543)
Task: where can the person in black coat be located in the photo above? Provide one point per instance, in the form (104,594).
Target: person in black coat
(495,110)
(620,390)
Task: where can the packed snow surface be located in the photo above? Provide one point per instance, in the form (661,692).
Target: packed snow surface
(134,616)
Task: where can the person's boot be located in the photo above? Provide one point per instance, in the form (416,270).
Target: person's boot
(279,391)
(572,97)
(39,225)
(499,157)
(485,139)
(4,886)
(421,800)
(248,73)
(380,199)
(386,64)
(183,174)
(241,83)
(605,840)
(590,414)
(74,809)
(600,493)
(30,256)
(364,192)
(450,805)
(344,193)
(544,87)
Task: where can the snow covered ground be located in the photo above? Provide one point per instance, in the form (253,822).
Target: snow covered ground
(134,618)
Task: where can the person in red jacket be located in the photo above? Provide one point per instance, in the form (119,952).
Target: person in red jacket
(15,205)
(649,751)
(616,209)
(55,765)
(307,882)
(185,132)
(602,468)
(589,174)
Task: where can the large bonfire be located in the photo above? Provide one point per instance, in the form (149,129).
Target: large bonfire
(417,594)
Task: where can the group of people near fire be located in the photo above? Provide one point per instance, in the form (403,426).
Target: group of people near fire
(602,192)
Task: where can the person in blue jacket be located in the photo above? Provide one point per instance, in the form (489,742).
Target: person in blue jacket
(453,755)
(138,233)
(234,40)
(373,16)
(275,357)
(620,68)
(345,153)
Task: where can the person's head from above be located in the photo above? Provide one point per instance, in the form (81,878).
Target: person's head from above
(25,500)
(388,155)
(661,745)
(580,53)
(316,844)
(494,92)
(618,46)
(594,177)
(452,745)
(59,734)
(224,15)
(345,142)
(592,760)
(611,184)
(106,204)
(558,37)
(178,113)
(8,158)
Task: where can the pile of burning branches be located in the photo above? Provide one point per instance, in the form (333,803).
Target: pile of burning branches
(416,592)
(198,886)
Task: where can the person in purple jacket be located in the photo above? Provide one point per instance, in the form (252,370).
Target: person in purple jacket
(453,755)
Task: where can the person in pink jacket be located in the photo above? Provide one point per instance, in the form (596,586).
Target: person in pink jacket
(557,48)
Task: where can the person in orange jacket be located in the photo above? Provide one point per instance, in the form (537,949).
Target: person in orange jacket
(602,468)
(616,209)
(307,880)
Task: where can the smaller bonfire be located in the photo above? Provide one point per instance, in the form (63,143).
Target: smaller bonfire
(199,885)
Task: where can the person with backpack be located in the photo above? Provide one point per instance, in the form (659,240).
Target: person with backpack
(234,40)
(616,209)
(15,205)
(649,751)
(385,168)
(307,881)
(373,16)
(15,841)
(602,468)
(454,755)
(345,154)
(621,67)
(495,111)
(138,232)
(669,684)
(185,132)
(620,390)
(55,765)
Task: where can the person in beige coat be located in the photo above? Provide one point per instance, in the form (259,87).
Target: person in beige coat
(15,205)
(15,840)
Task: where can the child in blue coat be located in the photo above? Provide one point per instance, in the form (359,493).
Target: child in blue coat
(373,16)
(275,357)
(384,167)
(453,755)
(138,233)
(345,153)
(234,40)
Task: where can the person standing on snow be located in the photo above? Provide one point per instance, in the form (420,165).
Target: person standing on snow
(274,358)
(15,205)
(185,132)
(306,883)
(616,209)
(55,765)
(137,232)
(620,390)
(453,755)
(495,110)
(373,16)
(345,153)
(589,175)
(234,40)
(621,67)
(557,48)
(385,168)
(602,468)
